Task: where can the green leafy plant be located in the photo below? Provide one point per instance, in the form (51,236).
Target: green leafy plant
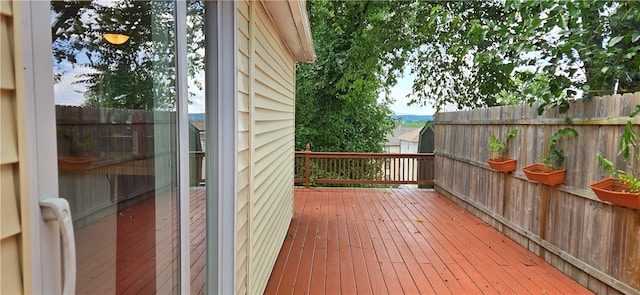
(555,157)
(628,151)
(498,149)
(76,147)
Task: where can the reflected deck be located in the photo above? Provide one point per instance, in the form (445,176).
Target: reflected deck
(131,252)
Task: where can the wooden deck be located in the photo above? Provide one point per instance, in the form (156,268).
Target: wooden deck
(341,241)
(402,241)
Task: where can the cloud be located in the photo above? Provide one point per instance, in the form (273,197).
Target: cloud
(67,91)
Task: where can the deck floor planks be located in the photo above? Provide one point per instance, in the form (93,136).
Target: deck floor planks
(374,271)
(347,275)
(332,270)
(290,272)
(522,256)
(482,255)
(410,247)
(477,257)
(318,272)
(442,260)
(394,267)
(357,248)
(383,220)
(382,257)
(305,263)
(503,246)
(469,280)
(443,272)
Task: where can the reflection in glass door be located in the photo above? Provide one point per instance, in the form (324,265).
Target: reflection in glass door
(115,93)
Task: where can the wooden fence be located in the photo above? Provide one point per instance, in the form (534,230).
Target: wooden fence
(595,242)
(363,168)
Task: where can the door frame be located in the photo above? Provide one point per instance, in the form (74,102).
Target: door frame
(36,107)
(221,125)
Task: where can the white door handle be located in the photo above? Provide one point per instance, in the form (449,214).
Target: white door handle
(57,209)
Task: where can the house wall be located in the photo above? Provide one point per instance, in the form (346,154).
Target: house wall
(594,242)
(266,106)
(393,149)
(408,147)
(244,150)
(11,281)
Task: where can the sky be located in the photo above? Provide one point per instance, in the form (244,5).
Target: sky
(399,93)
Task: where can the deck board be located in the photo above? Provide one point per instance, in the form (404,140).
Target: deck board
(402,241)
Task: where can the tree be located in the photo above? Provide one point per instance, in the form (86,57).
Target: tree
(449,67)
(476,49)
(361,48)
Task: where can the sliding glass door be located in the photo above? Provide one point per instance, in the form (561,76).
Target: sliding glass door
(118,151)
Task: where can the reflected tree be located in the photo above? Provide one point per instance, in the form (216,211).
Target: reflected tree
(138,74)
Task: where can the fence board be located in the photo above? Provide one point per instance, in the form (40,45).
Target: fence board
(567,224)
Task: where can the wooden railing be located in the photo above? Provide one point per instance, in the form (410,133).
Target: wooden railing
(363,168)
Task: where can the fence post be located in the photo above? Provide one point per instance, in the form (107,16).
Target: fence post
(307,173)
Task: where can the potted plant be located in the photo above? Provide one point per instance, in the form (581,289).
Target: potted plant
(77,159)
(550,171)
(498,153)
(621,187)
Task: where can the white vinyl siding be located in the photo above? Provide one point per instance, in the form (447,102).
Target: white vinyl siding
(265,120)
(11,281)
(244,148)
(273,87)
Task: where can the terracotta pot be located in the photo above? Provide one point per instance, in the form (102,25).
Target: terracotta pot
(543,174)
(73,164)
(617,192)
(505,165)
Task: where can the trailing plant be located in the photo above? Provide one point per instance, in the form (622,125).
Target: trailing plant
(628,151)
(498,149)
(555,157)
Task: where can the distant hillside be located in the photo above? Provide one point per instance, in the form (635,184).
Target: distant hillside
(413,118)
(196,117)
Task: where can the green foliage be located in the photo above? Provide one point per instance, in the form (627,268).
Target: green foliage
(628,151)
(76,147)
(449,62)
(499,149)
(360,48)
(468,51)
(555,156)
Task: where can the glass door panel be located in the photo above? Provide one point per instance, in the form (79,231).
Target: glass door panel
(115,93)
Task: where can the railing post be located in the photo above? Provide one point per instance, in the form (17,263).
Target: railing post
(307,173)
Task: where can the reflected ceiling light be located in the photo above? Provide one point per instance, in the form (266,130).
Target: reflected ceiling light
(116,39)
